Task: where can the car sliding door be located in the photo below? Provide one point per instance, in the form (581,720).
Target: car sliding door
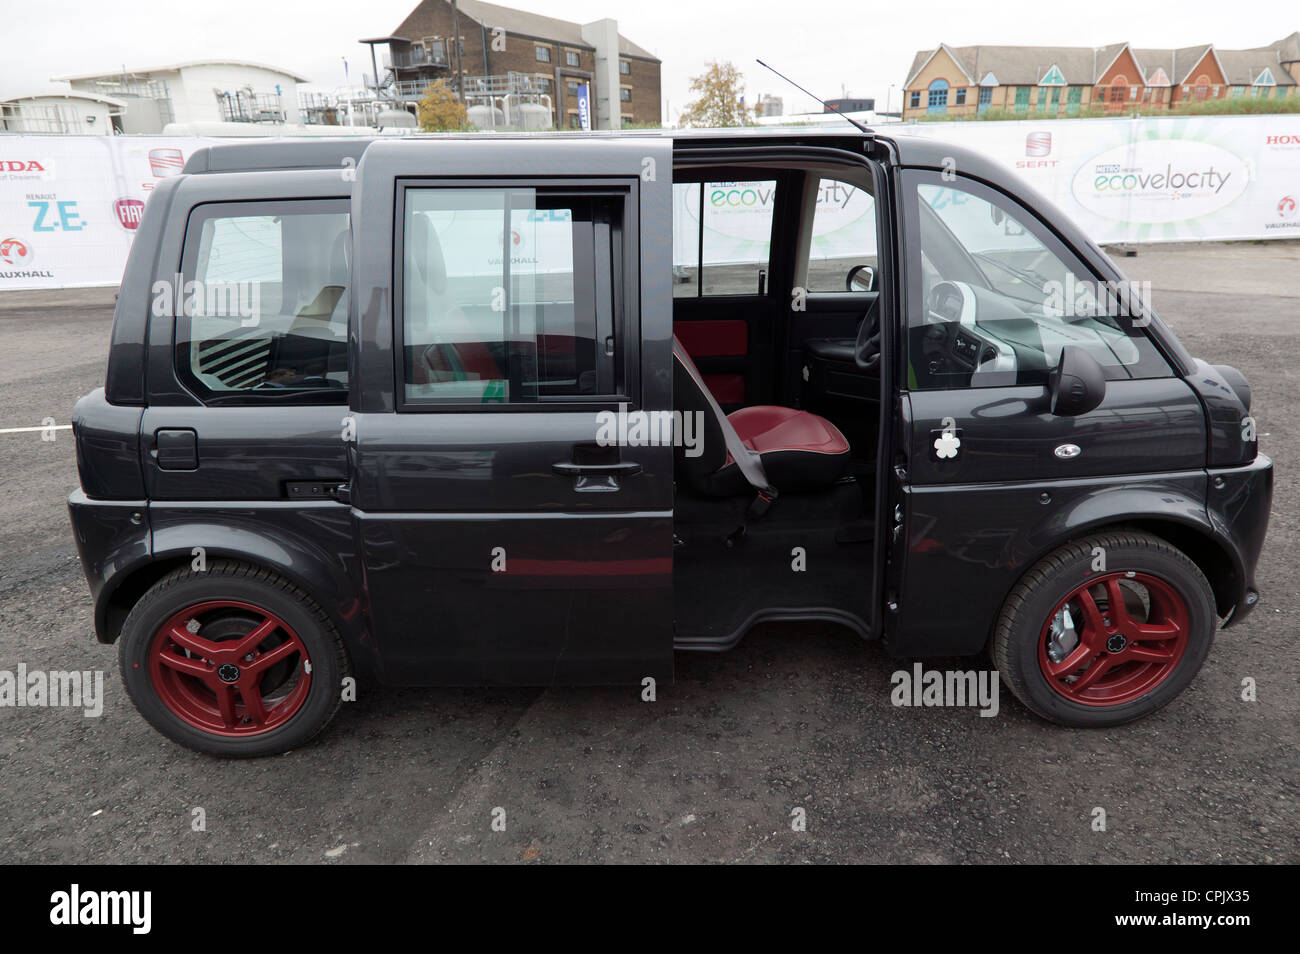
(506,540)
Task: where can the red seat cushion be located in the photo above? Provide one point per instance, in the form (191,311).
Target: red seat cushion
(800,450)
(768,428)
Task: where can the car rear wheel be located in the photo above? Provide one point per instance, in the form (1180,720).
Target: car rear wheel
(232,661)
(1105,630)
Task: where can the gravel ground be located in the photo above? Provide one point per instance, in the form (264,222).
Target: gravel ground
(712,771)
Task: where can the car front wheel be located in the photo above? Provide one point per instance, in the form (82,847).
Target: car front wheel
(1105,630)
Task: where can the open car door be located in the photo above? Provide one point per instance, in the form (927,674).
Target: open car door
(511,315)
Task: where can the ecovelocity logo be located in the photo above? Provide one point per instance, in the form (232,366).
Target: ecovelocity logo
(1160,180)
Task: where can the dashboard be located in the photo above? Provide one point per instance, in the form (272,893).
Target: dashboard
(952,341)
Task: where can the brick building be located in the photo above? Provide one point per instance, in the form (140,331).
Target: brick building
(557,57)
(1068,80)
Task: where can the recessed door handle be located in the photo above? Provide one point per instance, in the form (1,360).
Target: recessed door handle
(624,468)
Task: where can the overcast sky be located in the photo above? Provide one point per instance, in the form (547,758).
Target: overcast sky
(829,46)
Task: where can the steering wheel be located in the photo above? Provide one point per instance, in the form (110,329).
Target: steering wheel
(866,350)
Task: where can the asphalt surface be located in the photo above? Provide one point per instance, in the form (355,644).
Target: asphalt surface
(711,771)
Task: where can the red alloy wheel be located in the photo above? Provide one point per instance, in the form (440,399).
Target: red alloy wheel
(1125,647)
(228,668)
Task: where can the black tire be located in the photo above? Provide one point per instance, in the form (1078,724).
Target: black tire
(228,580)
(1019,630)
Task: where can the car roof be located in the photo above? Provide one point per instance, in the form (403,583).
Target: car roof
(297,153)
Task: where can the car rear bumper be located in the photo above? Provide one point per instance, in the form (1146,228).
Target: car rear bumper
(112,539)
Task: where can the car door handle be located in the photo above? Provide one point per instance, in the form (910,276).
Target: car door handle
(623,468)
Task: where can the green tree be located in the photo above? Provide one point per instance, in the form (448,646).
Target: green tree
(720,98)
(440,110)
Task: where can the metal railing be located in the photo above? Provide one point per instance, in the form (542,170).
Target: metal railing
(246,106)
(417,56)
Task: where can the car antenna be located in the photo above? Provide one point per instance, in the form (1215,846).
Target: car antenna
(846,118)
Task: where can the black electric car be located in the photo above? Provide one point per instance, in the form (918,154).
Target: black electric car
(547,409)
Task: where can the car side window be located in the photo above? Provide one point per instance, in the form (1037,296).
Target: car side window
(996,297)
(842,255)
(510,295)
(262,312)
(722,237)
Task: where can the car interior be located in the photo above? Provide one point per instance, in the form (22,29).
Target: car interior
(776,350)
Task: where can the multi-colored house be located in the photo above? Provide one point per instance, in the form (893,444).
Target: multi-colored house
(1069,80)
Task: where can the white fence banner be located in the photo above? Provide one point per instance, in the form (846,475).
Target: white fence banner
(1154,179)
(69,205)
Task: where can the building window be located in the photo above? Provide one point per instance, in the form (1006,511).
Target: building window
(544,85)
(543,54)
(572,86)
(1042,99)
(914,99)
(938,100)
(961,97)
(1117,93)
(1237,91)
(1073,99)
(571,58)
(986,97)
(625,67)
(624,94)
(575,121)
(1022,99)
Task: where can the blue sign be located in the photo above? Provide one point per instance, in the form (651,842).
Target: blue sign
(584,106)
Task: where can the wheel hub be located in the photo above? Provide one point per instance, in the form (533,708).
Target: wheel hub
(230,668)
(1114,638)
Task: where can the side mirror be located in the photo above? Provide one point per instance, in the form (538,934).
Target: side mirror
(1077,384)
(862,278)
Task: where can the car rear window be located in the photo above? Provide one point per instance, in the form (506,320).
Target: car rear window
(262,312)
